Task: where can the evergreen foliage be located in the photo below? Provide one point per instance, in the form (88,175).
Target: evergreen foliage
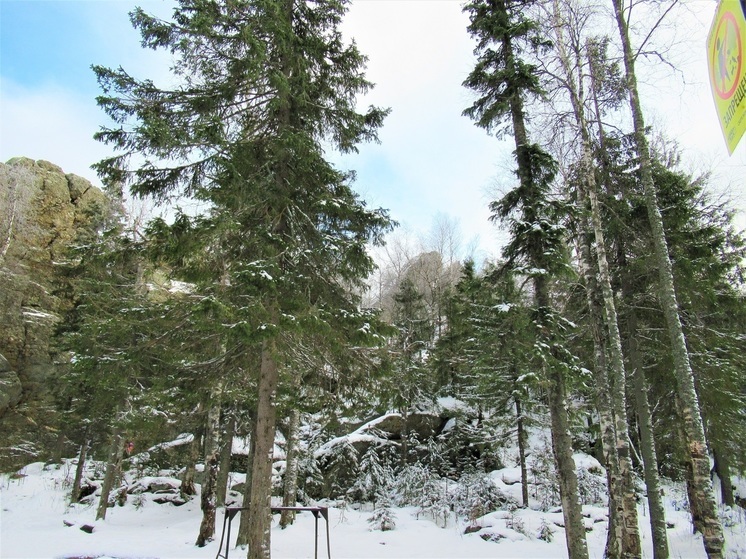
(383,518)
(267,318)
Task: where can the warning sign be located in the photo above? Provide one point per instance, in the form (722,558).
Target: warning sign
(725,53)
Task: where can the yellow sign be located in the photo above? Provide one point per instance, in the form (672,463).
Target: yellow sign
(725,54)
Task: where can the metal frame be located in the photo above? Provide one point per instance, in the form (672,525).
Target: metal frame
(231,512)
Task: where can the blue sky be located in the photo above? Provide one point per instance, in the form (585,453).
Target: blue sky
(432,163)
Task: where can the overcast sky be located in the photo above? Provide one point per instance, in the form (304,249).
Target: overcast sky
(431,162)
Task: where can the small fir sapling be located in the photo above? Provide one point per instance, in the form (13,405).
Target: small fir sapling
(513,521)
(545,477)
(409,485)
(546,533)
(476,495)
(591,488)
(373,476)
(343,465)
(383,518)
(435,501)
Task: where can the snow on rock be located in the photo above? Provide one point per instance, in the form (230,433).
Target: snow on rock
(145,456)
(154,484)
(589,463)
(509,476)
(453,405)
(356,437)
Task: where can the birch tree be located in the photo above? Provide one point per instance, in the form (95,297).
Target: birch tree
(623,493)
(693,427)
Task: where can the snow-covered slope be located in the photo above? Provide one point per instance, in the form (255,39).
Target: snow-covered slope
(35,522)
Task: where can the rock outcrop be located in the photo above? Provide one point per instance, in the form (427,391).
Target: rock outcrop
(43,211)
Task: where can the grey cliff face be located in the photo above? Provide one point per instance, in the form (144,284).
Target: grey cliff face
(43,211)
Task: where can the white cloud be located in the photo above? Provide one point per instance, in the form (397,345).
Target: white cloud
(432,160)
(53,124)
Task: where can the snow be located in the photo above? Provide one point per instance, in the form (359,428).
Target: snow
(33,513)
(33,313)
(364,433)
(175,286)
(449,403)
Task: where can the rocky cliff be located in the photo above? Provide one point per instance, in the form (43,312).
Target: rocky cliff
(42,211)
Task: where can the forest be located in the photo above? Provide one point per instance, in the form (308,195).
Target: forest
(287,314)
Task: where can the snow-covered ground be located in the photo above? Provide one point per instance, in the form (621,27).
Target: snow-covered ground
(35,522)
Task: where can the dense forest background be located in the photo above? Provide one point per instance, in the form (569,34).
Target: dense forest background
(287,314)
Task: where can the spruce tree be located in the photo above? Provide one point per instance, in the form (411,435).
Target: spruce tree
(263,88)
(504,79)
(411,379)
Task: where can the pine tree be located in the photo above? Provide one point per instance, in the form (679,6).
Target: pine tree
(504,80)
(383,518)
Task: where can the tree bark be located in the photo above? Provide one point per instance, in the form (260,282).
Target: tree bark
(642,406)
(561,441)
(562,448)
(712,532)
(290,485)
(603,401)
(82,455)
(242,539)
(212,457)
(650,467)
(225,462)
(644,421)
(521,451)
(188,487)
(111,476)
(631,546)
(260,515)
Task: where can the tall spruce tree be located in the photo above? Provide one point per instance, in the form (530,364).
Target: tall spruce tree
(504,79)
(263,87)
(412,381)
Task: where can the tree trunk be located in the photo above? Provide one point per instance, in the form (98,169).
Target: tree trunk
(696,443)
(561,441)
(642,407)
(562,444)
(188,487)
(112,473)
(722,469)
(631,547)
(562,447)
(644,421)
(650,467)
(212,457)
(603,401)
(82,455)
(290,486)
(522,451)
(242,540)
(260,515)
(225,462)
(405,434)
